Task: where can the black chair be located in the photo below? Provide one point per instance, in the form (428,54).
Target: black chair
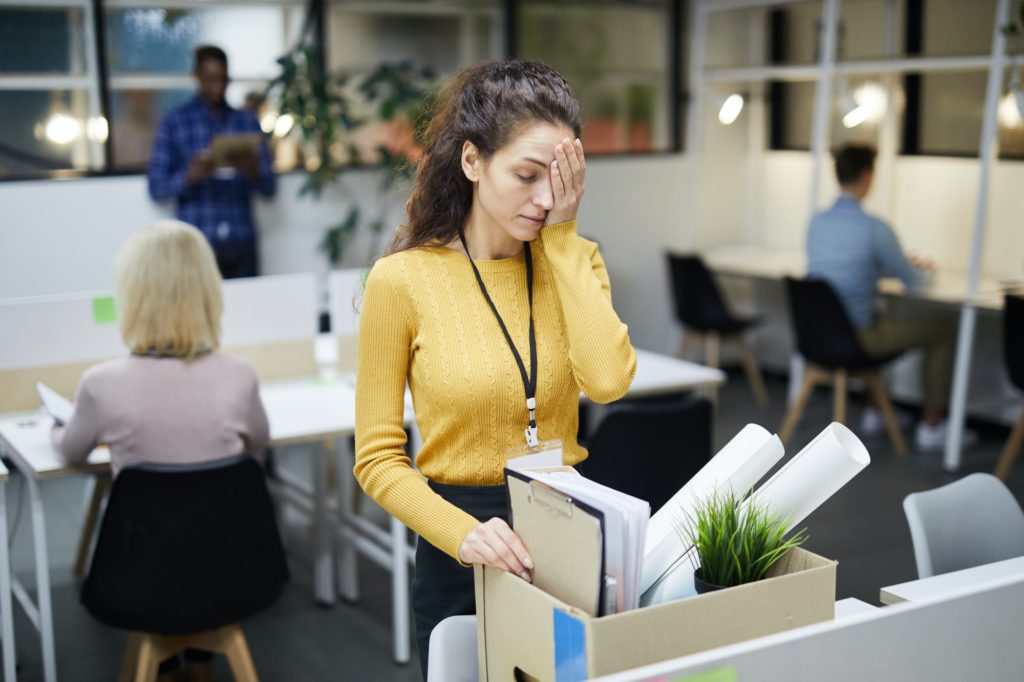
(828,341)
(650,450)
(1013,350)
(183,554)
(707,319)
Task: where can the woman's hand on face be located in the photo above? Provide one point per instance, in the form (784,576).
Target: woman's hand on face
(493,543)
(567,173)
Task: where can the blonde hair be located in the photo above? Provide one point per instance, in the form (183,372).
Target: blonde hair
(169,291)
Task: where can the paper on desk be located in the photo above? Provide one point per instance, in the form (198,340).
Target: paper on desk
(738,466)
(625,523)
(807,480)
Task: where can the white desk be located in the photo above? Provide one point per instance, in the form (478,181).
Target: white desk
(657,373)
(6,614)
(954,582)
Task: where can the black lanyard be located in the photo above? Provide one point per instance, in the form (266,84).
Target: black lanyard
(529,380)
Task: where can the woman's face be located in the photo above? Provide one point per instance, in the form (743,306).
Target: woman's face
(512,189)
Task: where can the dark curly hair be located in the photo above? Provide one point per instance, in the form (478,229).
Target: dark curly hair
(487,105)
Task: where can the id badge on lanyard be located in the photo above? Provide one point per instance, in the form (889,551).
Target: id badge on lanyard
(534,453)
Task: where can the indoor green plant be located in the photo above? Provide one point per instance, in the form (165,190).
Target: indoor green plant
(736,540)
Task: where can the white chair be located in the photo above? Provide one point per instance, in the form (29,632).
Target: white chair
(969,522)
(453,651)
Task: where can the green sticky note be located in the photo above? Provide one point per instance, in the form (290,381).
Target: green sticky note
(723,674)
(103,310)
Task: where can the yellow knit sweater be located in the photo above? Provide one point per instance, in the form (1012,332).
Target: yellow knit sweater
(425,321)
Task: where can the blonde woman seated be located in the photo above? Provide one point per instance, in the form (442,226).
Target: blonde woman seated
(174,399)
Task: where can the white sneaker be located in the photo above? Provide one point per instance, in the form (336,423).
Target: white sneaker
(872,424)
(933,438)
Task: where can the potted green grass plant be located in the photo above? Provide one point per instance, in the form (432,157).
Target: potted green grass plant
(736,541)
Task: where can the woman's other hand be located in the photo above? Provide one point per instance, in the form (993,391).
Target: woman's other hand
(493,543)
(567,174)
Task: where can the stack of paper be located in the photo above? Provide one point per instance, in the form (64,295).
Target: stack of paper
(625,526)
(812,476)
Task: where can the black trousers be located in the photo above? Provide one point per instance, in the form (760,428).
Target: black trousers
(441,587)
(236,258)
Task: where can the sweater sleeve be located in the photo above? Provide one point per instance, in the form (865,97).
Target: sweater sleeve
(602,358)
(76,439)
(382,467)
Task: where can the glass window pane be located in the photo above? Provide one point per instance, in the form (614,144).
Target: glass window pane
(156,40)
(951,111)
(862,30)
(955,27)
(442,41)
(737,38)
(795,34)
(615,55)
(41,40)
(134,117)
(43,131)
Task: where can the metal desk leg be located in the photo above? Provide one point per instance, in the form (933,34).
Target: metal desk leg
(45,622)
(796,377)
(348,566)
(399,591)
(6,615)
(323,556)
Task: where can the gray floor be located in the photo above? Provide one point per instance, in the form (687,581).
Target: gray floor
(862,527)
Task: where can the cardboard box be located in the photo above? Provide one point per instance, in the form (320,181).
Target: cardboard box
(523,633)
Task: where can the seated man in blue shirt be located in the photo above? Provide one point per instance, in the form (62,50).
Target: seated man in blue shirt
(852,249)
(215,200)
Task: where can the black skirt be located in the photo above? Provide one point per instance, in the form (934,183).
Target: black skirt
(442,587)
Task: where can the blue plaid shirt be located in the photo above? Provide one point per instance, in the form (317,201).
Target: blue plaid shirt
(219,207)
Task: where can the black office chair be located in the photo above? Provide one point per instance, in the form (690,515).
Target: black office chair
(183,554)
(1013,350)
(707,319)
(828,341)
(650,450)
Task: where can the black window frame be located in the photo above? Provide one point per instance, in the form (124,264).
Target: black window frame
(678,96)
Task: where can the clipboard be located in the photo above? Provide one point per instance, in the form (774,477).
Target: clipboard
(565,538)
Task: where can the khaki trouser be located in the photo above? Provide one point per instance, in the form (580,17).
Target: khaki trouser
(936,338)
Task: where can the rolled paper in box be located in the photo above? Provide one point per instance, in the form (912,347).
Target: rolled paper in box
(814,474)
(738,466)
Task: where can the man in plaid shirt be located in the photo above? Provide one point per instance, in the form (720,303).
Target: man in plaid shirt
(217,201)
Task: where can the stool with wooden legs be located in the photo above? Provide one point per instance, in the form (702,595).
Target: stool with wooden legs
(183,554)
(828,341)
(707,319)
(1013,350)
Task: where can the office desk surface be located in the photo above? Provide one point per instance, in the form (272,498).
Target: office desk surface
(26,437)
(657,373)
(949,285)
(938,585)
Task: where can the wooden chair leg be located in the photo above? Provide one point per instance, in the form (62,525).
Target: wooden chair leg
(690,338)
(148,661)
(99,492)
(131,657)
(796,410)
(239,658)
(839,396)
(881,397)
(752,371)
(712,346)
(1011,450)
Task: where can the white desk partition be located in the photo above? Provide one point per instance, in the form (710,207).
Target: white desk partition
(52,330)
(970,634)
(345,291)
(261,310)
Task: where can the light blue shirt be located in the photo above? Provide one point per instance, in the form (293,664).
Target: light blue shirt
(851,250)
